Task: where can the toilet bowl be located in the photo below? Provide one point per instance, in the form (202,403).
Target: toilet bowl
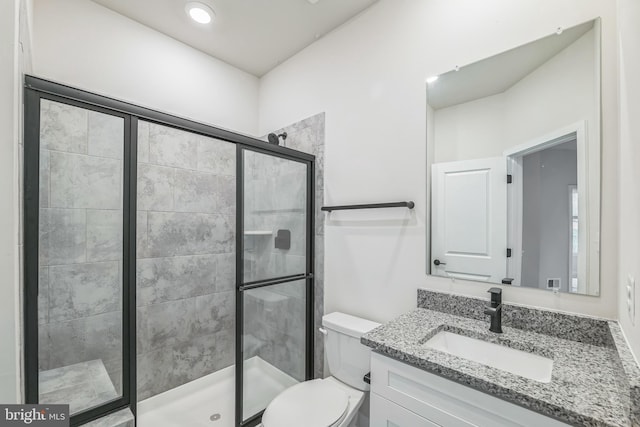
(335,400)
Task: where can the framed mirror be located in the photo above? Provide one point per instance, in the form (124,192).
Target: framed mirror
(513,153)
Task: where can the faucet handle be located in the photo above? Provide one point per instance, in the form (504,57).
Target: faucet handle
(496,295)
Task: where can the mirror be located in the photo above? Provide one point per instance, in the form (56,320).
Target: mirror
(513,152)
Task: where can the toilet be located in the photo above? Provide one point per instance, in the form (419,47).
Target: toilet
(335,400)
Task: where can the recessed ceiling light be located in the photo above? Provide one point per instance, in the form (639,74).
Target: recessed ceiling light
(432,79)
(199,12)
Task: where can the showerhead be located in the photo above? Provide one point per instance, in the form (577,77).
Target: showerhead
(275,139)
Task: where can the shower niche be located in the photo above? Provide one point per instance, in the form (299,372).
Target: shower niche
(165,261)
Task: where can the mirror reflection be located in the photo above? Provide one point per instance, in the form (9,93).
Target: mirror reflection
(514,161)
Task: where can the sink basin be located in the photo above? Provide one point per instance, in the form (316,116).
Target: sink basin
(507,359)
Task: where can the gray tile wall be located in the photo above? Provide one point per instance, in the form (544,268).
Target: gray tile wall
(80,254)
(275,317)
(186,250)
(186,257)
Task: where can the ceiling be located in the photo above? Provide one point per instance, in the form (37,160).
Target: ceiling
(498,73)
(253,35)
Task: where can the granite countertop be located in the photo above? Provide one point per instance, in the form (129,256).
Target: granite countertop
(593,383)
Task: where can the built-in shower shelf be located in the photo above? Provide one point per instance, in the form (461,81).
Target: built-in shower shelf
(258,233)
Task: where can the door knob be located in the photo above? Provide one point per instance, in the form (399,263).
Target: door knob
(437,262)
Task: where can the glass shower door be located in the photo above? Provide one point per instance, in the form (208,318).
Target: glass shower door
(77,159)
(274,279)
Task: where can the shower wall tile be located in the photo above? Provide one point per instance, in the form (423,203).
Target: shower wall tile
(225,195)
(261,189)
(82,290)
(63,127)
(167,368)
(105,136)
(207,353)
(43,295)
(216,156)
(285,314)
(284,351)
(79,181)
(172,147)
(172,234)
(104,235)
(79,340)
(168,279)
(215,313)
(319,258)
(166,324)
(152,371)
(195,191)
(291,188)
(43,347)
(44,181)
(103,337)
(283,264)
(62,236)
(142,235)
(143,142)
(114,369)
(226,272)
(156,187)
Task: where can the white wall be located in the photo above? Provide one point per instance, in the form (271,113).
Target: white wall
(85,45)
(559,93)
(369,78)
(14,60)
(629,219)
(471,130)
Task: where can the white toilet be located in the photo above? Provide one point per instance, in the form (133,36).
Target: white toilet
(335,400)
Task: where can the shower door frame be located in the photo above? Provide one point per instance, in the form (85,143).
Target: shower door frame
(242,286)
(37,88)
(35,91)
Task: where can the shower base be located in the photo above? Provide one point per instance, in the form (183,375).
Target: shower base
(210,400)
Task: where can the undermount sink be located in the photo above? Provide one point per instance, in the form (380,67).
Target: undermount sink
(497,356)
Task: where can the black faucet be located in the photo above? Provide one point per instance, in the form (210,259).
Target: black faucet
(495,310)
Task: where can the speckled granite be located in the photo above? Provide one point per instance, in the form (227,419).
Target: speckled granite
(628,373)
(584,329)
(587,388)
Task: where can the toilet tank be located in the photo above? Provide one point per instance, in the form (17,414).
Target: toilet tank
(349,361)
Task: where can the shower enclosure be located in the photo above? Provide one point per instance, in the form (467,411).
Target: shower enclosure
(161,257)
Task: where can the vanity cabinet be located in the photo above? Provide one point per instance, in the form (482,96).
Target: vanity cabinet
(405,396)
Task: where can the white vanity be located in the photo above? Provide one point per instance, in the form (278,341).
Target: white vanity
(404,396)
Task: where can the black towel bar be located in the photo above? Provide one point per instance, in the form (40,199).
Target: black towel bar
(409,205)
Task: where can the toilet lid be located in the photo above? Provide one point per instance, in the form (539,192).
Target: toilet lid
(313,403)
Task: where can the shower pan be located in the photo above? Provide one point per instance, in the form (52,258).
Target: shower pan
(168,265)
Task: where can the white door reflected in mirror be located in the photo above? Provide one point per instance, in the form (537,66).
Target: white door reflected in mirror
(469,239)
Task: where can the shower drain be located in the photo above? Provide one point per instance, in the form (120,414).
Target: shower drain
(215,417)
